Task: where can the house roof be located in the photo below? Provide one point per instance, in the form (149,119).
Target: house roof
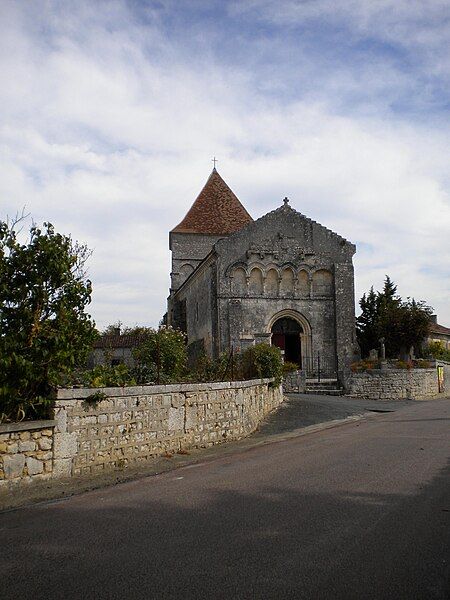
(436,328)
(119,341)
(216,210)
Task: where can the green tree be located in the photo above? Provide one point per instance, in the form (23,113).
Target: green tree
(401,323)
(162,356)
(44,329)
(367,323)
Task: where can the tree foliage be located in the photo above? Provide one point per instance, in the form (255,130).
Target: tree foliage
(44,329)
(162,356)
(402,323)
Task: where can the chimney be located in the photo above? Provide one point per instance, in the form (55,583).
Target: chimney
(433,319)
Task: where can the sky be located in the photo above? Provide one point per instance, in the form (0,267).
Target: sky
(111,112)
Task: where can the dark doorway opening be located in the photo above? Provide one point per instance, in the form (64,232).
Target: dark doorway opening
(286,336)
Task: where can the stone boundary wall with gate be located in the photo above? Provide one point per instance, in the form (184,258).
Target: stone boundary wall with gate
(392,384)
(130,425)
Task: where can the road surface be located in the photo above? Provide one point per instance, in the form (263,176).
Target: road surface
(357,511)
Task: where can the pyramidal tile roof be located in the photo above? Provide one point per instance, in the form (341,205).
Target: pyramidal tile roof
(216,210)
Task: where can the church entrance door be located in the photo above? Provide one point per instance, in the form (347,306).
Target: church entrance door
(286,336)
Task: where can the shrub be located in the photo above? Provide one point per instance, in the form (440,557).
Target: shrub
(163,353)
(226,366)
(436,350)
(289,367)
(262,361)
(403,364)
(364,365)
(420,363)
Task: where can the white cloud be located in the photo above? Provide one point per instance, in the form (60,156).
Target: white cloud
(107,130)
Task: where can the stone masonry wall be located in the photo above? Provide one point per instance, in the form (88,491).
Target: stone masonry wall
(395,384)
(134,424)
(130,425)
(26,452)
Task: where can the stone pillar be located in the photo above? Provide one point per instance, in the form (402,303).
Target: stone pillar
(345,318)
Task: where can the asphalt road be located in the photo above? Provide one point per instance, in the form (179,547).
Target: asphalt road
(358,511)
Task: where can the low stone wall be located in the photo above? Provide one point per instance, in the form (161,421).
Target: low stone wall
(26,452)
(395,384)
(130,425)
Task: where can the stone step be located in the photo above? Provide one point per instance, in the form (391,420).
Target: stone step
(324,391)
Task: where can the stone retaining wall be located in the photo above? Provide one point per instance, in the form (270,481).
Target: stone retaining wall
(131,425)
(26,452)
(395,384)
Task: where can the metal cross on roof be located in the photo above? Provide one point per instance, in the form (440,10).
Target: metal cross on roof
(214,160)
(286,200)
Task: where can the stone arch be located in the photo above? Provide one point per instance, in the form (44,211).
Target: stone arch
(239,281)
(303,283)
(305,332)
(322,282)
(287,281)
(255,283)
(272,282)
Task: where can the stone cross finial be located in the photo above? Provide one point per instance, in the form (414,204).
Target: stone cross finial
(214,161)
(286,200)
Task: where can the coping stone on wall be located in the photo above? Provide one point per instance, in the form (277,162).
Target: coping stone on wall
(140,390)
(26,426)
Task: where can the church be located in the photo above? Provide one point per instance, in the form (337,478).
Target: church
(282,279)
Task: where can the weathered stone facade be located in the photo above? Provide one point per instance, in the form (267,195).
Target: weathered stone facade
(26,452)
(281,279)
(394,384)
(129,426)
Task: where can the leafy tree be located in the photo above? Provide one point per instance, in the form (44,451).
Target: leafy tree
(162,356)
(44,329)
(402,324)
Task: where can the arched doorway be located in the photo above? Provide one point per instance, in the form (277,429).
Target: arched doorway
(286,335)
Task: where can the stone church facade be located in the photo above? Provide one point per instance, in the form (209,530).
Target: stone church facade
(282,279)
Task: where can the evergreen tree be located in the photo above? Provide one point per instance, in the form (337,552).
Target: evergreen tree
(384,314)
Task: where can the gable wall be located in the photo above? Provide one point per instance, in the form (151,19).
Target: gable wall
(302,267)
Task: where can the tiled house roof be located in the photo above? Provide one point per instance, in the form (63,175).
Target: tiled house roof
(119,341)
(436,328)
(216,211)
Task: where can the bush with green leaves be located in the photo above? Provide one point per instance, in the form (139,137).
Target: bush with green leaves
(223,368)
(162,355)
(44,328)
(262,361)
(436,349)
(289,367)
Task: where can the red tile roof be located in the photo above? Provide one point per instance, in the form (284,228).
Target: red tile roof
(119,341)
(436,328)
(216,211)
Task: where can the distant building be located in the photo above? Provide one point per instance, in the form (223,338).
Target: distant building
(115,349)
(282,279)
(439,333)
